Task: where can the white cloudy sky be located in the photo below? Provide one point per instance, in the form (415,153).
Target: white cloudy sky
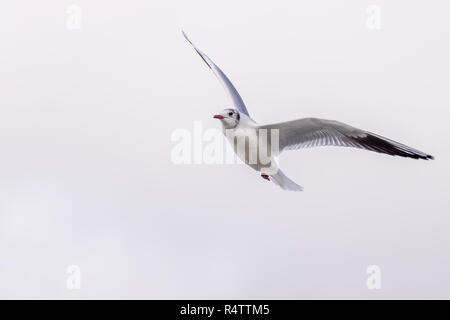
(86,177)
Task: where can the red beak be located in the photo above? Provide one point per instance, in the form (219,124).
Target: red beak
(218,116)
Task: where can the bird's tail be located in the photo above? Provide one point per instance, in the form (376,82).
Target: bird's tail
(281,180)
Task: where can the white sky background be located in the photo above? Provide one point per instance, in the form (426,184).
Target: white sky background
(86,178)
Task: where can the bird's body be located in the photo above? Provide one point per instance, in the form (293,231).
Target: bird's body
(249,146)
(260,145)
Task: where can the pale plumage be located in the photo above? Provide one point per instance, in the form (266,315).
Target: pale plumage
(298,134)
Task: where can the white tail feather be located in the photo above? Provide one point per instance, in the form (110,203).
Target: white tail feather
(281,180)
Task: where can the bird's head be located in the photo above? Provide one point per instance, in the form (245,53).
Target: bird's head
(229,117)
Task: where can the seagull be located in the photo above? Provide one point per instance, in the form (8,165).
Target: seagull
(293,135)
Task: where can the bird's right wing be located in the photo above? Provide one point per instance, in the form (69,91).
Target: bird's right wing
(231,90)
(312,132)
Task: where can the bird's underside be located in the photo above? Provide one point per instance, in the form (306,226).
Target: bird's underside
(305,133)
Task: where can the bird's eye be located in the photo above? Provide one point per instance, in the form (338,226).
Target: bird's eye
(230,113)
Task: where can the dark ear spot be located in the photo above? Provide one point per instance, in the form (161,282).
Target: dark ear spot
(238,116)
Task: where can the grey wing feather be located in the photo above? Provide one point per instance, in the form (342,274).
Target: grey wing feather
(312,132)
(235,97)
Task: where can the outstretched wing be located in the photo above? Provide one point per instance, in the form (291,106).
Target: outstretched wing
(312,132)
(231,90)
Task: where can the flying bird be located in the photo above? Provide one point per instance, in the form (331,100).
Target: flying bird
(292,135)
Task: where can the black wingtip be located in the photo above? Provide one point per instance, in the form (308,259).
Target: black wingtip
(382,145)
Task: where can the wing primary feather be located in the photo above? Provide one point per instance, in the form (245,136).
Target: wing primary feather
(226,83)
(311,132)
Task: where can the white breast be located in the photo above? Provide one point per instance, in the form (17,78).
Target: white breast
(250,149)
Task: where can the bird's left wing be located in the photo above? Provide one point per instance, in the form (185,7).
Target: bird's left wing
(312,132)
(231,90)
